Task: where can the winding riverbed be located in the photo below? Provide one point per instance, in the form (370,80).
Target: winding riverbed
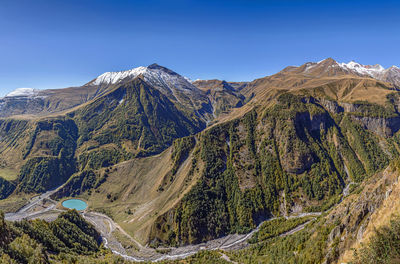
(45,208)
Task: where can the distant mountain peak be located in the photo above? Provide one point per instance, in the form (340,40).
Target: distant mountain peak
(377,71)
(370,70)
(114,77)
(353,65)
(150,72)
(23,92)
(156,66)
(327,61)
(176,87)
(330,67)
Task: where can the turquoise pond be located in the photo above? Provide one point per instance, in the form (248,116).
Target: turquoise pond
(75,204)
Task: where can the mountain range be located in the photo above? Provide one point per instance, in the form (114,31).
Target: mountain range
(176,162)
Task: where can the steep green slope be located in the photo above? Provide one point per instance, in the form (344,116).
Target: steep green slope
(68,237)
(55,163)
(135,116)
(294,156)
(132,120)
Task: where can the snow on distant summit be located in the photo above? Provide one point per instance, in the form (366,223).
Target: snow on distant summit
(26,92)
(168,82)
(114,77)
(176,87)
(163,78)
(391,74)
(371,70)
(154,74)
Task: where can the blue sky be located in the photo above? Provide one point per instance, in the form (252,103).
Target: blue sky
(54,44)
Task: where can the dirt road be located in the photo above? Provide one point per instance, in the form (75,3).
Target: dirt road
(44,207)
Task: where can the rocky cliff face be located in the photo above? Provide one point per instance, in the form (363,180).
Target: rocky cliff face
(384,127)
(354,214)
(222,95)
(383,124)
(20,105)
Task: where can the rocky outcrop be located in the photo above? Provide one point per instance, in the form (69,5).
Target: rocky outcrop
(384,127)
(350,108)
(331,106)
(353,215)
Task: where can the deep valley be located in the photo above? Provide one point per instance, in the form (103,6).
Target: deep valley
(298,167)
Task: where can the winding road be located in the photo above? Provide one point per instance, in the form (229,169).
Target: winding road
(44,207)
(27,211)
(225,243)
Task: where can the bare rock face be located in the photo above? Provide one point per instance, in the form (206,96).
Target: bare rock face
(349,108)
(295,155)
(335,233)
(315,122)
(331,106)
(384,127)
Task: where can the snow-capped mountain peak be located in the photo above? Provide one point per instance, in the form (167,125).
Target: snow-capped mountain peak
(391,75)
(114,77)
(370,70)
(174,86)
(331,67)
(167,81)
(19,92)
(154,74)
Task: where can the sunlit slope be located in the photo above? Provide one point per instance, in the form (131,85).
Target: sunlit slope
(133,119)
(296,154)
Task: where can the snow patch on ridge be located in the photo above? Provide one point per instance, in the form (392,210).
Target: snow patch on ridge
(114,77)
(27,92)
(378,72)
(169,83)
(156,75)
(373,71)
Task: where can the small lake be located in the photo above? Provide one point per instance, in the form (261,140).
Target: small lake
(75,204)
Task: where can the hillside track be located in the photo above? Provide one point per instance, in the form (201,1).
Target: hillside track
(44,207)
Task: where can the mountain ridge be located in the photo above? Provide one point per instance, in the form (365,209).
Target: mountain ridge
(174,169)
(176,87)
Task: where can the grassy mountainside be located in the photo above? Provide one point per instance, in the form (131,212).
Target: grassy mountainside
(294,156)
(307,137)
(137,191)
(49,155)
(132,120)
(135,115)
(325,80)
